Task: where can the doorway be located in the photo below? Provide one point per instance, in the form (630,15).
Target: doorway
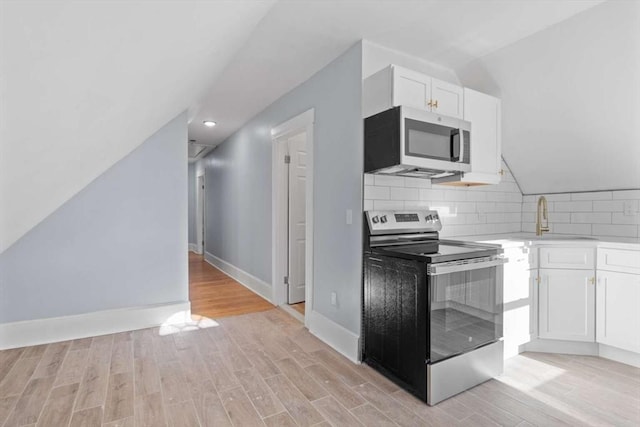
(292,219)
(200,214)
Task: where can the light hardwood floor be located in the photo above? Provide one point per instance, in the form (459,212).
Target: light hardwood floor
(266,369)
(213,294)
(299,307)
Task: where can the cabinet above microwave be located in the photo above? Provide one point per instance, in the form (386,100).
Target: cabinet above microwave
(393,86)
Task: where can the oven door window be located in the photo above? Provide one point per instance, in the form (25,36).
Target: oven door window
(431,141)
(465,311)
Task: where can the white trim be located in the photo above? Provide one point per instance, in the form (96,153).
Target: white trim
(200,213)
(193,247)
(43,331)
(342,340)
(249,281)
(293,312)
(561,346)
(303,121)
(619,355)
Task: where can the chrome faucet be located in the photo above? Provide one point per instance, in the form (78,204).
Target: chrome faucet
(542,214)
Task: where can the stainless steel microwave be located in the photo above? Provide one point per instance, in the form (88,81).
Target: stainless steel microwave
(410,142)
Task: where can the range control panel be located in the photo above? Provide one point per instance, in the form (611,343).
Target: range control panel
(391,222)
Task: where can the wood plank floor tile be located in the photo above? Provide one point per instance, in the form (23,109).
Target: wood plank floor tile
(31,402)
(488,410)
(283,419)
(6,406)
(93,388)
(80,344)
(338,389)
(183,415)
(335,413)
(146,376)
(59,407)
(302,380)
(149,410)
(239,408)
(34,351)
(121,356)
(395,411)
(368,415)
(119,402)
(221,375)
(297,405)
(18,377)
(173,383)
(91,417)
(7,359)
(477,420)
(259,393)
(340,367)
(125,422)
(52,359)
(209,408)
(73,367)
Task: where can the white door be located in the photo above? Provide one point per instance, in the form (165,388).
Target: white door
(297,212)
(446,98)
(567,305)
(200,214)
(617,314)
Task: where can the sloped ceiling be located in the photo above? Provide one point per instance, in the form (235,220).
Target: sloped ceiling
(83,83)
(297,38)
(570,101)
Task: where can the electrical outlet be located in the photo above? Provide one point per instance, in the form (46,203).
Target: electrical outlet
(334,299)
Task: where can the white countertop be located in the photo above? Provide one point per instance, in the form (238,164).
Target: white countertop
(521,239)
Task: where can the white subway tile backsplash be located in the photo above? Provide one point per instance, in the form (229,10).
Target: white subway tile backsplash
(596,195)
(416,204)
(417,183)
(557,217)
(608,206)
(372,192)
(455,196)
(620,218)
(575,229)
(402,193)
(563,197)
(388,181)
(367,205)
(388,205)
(476,196)
(582,206)
(431,194)
(615,230)
(591,218)
(368,179)
(626,194)
(463,207)
(529,199)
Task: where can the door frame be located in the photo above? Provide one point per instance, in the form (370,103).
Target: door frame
(279,209)
(200,213)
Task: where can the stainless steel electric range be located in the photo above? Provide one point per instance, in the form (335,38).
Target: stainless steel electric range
(432,310)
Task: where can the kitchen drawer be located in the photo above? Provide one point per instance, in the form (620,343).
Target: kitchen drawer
(622,260)
(568,257)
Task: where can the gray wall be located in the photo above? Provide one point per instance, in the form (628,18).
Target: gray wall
(191,188)
(238,186)
(120,242)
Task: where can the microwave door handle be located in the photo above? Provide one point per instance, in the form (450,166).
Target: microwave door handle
(461,151)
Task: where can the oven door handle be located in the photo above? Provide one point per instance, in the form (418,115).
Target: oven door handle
(447,268)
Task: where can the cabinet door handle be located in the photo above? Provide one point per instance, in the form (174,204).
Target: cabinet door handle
(592,280)
(430,103)
(435,104)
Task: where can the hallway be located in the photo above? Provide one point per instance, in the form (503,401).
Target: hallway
(213,294)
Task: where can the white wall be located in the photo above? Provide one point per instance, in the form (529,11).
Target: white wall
(570,101)
(600,214)
(191,189)
(486,209)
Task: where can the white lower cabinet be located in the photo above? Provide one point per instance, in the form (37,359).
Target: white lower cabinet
(567,305)
(519,300)
(618,310)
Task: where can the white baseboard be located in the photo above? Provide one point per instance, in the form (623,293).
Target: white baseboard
(342,340)
(43,331)
(620,355)
(560,346)
(249,281)
(193,247)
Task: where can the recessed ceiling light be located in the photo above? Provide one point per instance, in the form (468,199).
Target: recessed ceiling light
(209,123)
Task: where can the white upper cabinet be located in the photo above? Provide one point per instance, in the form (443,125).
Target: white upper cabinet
(484,113)
(393,86)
